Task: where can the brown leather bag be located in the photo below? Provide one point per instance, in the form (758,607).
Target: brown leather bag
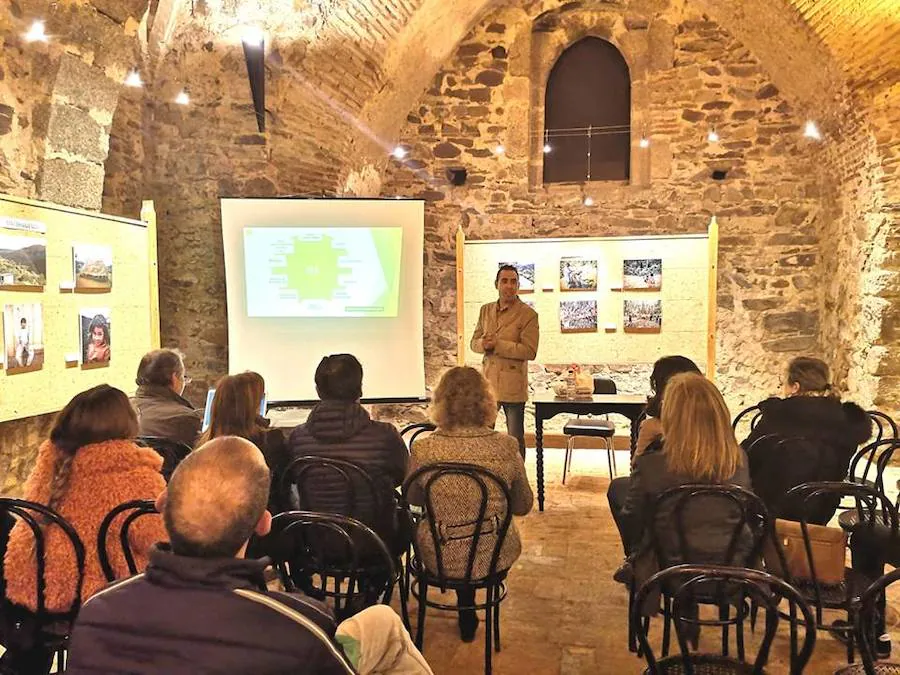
(829,546)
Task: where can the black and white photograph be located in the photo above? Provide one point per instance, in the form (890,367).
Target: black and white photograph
(643,316)
(23,260)
(526,275)
(23,337)
(92,267)
(577,274)
(643,274)
(578,316)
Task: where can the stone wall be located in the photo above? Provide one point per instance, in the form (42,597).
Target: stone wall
(689,76)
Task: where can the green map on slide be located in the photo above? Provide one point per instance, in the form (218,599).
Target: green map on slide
(318,269)
(312,269)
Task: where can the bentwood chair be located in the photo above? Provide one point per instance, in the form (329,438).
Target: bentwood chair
(752,414)
(590,427)
(23,629)
(679,522)
(127,513)
(875,511)
(171,451)
(467,517)
(764,590)
(867,468)
(869,605)
(414,431)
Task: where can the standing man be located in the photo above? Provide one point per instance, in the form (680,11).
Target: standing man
(507,334)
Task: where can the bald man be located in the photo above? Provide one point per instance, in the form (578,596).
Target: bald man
(200,606)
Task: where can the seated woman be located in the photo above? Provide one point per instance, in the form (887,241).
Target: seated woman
(697,446)
(89,465)
(808,435)
(235,412)
(651,428)
(464,410)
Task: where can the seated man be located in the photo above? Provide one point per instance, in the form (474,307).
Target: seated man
(340,428)
(162,411)
(200,606)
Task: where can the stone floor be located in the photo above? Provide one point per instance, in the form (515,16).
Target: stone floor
(564,614)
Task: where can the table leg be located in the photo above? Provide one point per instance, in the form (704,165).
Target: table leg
(539,450)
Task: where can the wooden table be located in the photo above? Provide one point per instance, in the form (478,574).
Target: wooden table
(544,408)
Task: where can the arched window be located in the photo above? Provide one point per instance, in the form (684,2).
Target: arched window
(587,115)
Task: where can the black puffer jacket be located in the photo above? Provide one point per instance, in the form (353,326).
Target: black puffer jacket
(822,436)
(343,430)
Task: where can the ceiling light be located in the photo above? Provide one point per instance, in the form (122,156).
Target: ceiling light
(183,98)
(253,37)
(588,201)
(712,136)
(812,131)
(399,152)
(547,148)
(644,143)
(499,150)
(134,79)
(36,33)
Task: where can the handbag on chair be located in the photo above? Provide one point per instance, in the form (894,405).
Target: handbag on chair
(828,546)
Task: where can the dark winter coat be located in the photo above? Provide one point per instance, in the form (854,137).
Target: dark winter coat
(343,430)
(192,615)
(820,436)
(163,413)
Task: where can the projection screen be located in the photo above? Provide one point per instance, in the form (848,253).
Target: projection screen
(311,277)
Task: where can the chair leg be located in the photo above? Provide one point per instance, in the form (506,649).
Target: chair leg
(612,451)
(488,633)
(567,458)
(496,621)
(667,625)
(793,615)
(420,627)
(739,627)
(723,616)
(610,458)
(632,628)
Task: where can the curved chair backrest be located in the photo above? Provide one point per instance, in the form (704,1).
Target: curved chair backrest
(753,413)
(414,431)
(869,601)
(870,461)
(447,521)
(885,426)
(129,512)
(732,508)
(767,590)
(603,385)
(171,451)
(38,518)
(873,509)
(325,485)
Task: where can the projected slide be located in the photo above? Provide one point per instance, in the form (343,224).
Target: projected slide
(322,271)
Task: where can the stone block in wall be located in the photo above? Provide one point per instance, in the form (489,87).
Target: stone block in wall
(120,10)
(791,322)
(77,184)
(84,86)
(798,343)
(75,132)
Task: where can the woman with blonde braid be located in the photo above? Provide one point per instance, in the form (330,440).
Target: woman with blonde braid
(89,465)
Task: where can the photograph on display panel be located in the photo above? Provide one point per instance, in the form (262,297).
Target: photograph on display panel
(526,275)
(642,274)
(94,329)
(578,316)
(92,267)
(643,316)
(577,274)
(23,260)
(23,337)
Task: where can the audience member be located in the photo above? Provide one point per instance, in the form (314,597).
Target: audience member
(464,410)
(235,412)
(340,428)
(89,465)
(808,435)
(204,608)
(697,446)
(651,427)
(162,411)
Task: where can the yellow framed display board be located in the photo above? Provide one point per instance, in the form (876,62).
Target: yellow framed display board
(47,354)
(586,278)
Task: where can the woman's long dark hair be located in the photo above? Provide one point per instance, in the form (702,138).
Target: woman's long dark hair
(663,370)
(235,407)
(103,413)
